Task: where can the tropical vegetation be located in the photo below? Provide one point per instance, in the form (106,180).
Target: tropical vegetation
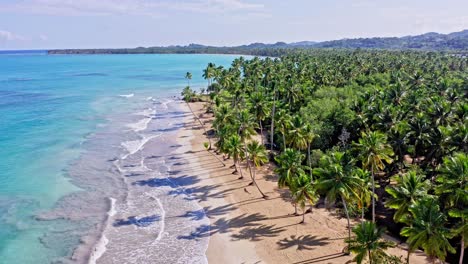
(370,132)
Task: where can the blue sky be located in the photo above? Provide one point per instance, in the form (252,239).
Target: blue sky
(43,24)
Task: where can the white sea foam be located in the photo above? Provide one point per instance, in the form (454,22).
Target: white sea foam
(126,95)
(136,145)
(163,219)
(149,98)
(165,103)
(140,125)
(101,245)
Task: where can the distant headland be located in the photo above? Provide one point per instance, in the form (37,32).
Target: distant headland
(456,41)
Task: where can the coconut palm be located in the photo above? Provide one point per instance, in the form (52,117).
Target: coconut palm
(188,95)
(297,135)
(374,152)
(260,109)
(364,193)
(257,155)
(304,192)
(289,166)
(236,151)
(409,188)
(284,123)
(337,180)
(368,243)
(452,186)
(188,76)
(427,229)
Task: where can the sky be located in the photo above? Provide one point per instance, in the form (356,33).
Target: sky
(50,24)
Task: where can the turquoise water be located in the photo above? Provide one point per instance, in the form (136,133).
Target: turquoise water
(49,107)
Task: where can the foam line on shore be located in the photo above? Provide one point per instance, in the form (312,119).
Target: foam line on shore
(101,245)
(163,219)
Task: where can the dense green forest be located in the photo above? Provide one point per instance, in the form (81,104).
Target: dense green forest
(456,42)
(381,135)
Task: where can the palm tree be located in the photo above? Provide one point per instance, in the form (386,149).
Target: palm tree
(427,229)
(297,135)
(309,135)
(188,76)
(289,166)
(304,192)
(409,188)
(257,155)
(453,188)
(284,123)
(188,95)
(260,109)
(374,151)
(364,193)
(368,243)
(336,180)
(235,150)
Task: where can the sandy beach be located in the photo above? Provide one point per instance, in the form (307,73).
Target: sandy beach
(246,228)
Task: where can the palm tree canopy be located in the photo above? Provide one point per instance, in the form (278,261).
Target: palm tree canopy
(336,178)
(409,188)
(368,239)
(374,150)
(257,153)
(304,191)
(289,166)
(428,229)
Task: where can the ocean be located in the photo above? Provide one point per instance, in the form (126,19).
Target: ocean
(83,158)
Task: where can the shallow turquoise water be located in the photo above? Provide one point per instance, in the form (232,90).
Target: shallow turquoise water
(48,107)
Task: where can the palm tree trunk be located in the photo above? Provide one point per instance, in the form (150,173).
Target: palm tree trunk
(284,141)
(347,217)
(309,160)
(408,255)
(362,216)
(462,249)
(370,257)
(273,120)
(240,170)
(261,131)
(203,126)
(256,185)
(373,196)
(303,215)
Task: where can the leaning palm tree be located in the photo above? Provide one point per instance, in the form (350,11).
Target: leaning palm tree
(304,192)
(427,229)
(337,180)
(188,95)
(258,156)
(452,187)
(368,243)
(409,188)
(374,151)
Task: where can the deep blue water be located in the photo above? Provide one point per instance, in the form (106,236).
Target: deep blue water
(49,106)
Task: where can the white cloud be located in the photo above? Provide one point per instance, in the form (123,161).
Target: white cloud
(132,7)
(9,36)
(43,37)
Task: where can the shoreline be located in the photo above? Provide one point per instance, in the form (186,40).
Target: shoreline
(247,228)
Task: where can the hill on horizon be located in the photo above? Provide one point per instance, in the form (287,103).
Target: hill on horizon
(456,41)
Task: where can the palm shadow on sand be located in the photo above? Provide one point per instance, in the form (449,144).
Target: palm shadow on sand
(140,222)
(302,242)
